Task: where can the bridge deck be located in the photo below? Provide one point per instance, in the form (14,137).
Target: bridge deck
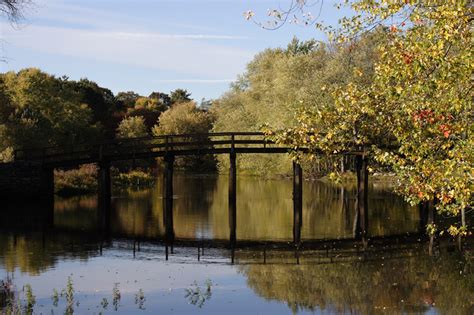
(151,147)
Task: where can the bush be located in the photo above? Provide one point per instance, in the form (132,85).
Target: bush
(77,181)
(134,179)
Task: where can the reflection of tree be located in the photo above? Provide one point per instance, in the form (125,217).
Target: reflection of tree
(76,213)
(133,215)
(265,210)
(197,295)
(36,252)
(6,292)
(139,214)
(191,206)
(410,284)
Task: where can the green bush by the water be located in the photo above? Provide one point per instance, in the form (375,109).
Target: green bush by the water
(76,181)
(84,180)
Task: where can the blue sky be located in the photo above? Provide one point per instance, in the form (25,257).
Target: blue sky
(147,45)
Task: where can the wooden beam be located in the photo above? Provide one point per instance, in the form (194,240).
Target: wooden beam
(297,202)
(105,186)
(232,200)
(168,198)
(362,198)
(104,199)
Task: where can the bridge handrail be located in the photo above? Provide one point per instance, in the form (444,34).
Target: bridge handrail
(161,143)
(169,142)
(190,135)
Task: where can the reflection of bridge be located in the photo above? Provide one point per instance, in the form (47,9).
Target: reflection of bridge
(168,147)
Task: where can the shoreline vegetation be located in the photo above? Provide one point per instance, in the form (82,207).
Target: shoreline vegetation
(83,180)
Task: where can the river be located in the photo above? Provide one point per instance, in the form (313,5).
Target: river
(124,267)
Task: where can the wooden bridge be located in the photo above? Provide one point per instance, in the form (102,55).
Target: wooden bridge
(170,146)
(151,147)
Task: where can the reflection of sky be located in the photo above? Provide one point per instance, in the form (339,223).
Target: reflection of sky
(163,282)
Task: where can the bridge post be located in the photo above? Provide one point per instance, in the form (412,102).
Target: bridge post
(105,187)
(297,202)
(362,200)
(233,199)
(168,197)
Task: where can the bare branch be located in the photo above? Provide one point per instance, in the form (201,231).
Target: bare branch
(297,12)
(13,9)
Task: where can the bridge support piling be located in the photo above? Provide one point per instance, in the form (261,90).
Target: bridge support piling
(104,199)
(105,186)
(233,200)
(362,200)
(168,198)
(297,202)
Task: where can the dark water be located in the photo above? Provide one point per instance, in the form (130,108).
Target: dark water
(42,248)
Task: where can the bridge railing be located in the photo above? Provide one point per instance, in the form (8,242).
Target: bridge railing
(130,148)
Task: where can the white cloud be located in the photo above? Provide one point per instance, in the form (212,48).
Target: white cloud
(126,35)
(204,81)
(186,54)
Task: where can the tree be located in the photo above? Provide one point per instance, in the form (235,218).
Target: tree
(132,127)
(297,47)
(100,100)
(126,99)
(148,108)
(186,118)
(280,83)
(183,118)
(205,105)
(163,98)
(38,112)
(420,100)
(13,8)
(13,11)
(152,104)
(180,96)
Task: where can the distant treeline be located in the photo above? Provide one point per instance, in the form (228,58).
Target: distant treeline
(39,109)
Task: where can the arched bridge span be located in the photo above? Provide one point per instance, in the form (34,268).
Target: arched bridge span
(168,147)
(151,147)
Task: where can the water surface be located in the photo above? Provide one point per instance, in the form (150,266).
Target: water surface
(43,248)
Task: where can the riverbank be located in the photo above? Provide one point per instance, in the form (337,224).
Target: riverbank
(84,179)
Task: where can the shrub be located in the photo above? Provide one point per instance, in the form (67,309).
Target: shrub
(134,179)
(76,181)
